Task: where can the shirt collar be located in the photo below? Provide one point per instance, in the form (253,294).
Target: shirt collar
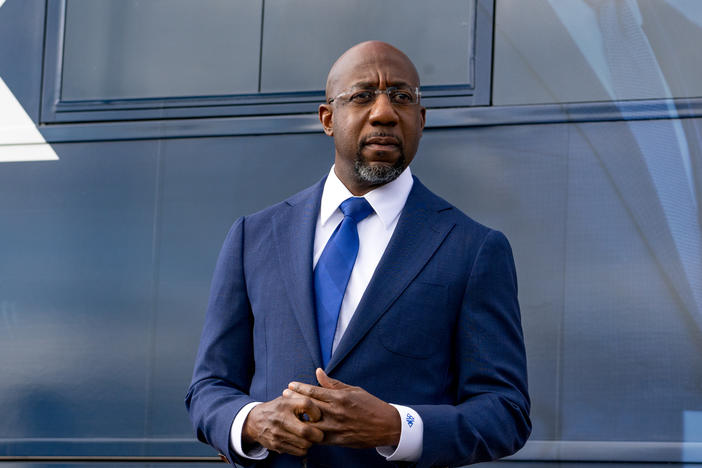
(387,200)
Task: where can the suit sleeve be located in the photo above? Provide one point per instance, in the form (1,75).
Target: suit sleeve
(224,363)
(491,417)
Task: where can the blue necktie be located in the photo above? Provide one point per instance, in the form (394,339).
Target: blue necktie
(331,275)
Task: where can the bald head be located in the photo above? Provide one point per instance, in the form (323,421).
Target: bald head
(364,54)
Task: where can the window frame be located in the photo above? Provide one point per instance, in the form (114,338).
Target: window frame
(475,92)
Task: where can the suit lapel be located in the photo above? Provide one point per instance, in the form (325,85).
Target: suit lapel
(294,229)
(419,232)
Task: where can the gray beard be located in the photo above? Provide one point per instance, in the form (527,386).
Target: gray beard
(377,175)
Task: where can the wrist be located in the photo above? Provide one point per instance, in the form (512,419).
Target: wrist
(236,436)
(394,427)
(248,433)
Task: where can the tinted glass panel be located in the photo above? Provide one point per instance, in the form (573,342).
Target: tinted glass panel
(549,51)
(137,49)
(302,39)
(75,291)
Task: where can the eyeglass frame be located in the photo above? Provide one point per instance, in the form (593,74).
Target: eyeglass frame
(376,91)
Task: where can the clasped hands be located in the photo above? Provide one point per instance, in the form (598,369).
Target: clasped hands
(333,413)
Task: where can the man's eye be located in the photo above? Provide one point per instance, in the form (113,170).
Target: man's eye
(362,97)
(401,97)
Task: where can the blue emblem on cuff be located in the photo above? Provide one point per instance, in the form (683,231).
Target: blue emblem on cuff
(410,420)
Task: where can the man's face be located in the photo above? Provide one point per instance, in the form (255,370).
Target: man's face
(374,141)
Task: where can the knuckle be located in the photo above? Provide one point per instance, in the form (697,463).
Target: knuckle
(307,403)
(279,431)
(282,401)
(317,436)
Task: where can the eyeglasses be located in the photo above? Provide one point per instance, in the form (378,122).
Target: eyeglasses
(367,96)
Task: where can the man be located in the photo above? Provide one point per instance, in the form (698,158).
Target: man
(417,349)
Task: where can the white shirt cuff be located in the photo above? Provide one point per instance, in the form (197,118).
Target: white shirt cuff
(411,437)
(258,452)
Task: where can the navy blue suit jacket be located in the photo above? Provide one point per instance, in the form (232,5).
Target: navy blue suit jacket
(438,329)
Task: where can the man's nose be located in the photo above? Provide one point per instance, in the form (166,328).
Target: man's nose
(383,112)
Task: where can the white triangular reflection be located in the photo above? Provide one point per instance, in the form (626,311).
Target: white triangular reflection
(20,139)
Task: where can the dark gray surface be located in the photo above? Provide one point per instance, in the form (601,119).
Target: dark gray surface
(21,45)
(124,84)
(160,48)
(154,49)
(139,78)
(302,39)
(75,289)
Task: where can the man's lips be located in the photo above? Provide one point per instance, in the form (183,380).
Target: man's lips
(381,140)
(381,143)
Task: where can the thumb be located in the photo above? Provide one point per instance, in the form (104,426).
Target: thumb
(327,382)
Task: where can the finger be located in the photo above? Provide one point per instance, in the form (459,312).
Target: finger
(305,431)
(327,382)
(335,439)
(303,407)
(291,447)
(312,391)
(290,432)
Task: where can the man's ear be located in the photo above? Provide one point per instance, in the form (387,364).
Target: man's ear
(325,116)
(423,114)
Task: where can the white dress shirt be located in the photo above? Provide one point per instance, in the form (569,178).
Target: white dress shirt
(374,233)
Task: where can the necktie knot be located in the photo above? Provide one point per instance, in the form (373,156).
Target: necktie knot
(356,208)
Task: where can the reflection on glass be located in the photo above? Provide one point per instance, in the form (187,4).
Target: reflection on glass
(633,312)
(610,50)
(632,318)
(549,51)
